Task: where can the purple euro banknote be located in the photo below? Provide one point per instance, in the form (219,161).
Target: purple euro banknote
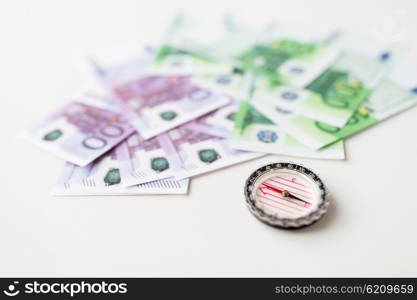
(79,132)
(145,160)
(119,171)
(155,104)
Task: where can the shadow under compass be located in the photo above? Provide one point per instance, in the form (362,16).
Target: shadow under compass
(326,221)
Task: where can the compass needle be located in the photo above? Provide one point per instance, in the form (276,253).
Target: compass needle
(272,188)
(285,193)
(297,198)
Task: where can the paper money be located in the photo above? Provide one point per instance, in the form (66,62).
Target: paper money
(285,55)
(392,95)
(201,152)
(142,165)
(334,96)
(133,90)
(234,84)
(289,55)
(155,104)
(83,181)
(199,45)
(255,132)
(78,132)
(219,123)
(142,160)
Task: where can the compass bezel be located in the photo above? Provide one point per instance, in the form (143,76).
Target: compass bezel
(286,223)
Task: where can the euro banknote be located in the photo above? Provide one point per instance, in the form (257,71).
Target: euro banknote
(138,159)
(93,180)
(152,103)
(220,122)
(287,54)
(201,152)
(79,132)
(142,160)
(196,44)
(395,93)
(155,104)
(333,96)
(253,131)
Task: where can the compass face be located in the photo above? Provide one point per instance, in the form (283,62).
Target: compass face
(286,195)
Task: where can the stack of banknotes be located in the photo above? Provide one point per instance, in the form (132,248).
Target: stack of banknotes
(216,93)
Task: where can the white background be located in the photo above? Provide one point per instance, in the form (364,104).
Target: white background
(370,229)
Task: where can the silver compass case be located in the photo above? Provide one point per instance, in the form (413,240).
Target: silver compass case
(286,223)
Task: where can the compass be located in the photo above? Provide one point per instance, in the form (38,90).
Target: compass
(286,195)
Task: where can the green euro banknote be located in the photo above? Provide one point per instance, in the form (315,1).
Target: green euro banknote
(199,45)
(335,95)
(395,93)
(255,132)
(288,54)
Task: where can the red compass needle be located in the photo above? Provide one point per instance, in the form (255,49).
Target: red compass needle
(283,192)
(273,188)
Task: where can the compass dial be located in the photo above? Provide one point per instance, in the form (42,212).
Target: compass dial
(286,195)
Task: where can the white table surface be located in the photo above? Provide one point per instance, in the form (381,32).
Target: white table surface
(370,229)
